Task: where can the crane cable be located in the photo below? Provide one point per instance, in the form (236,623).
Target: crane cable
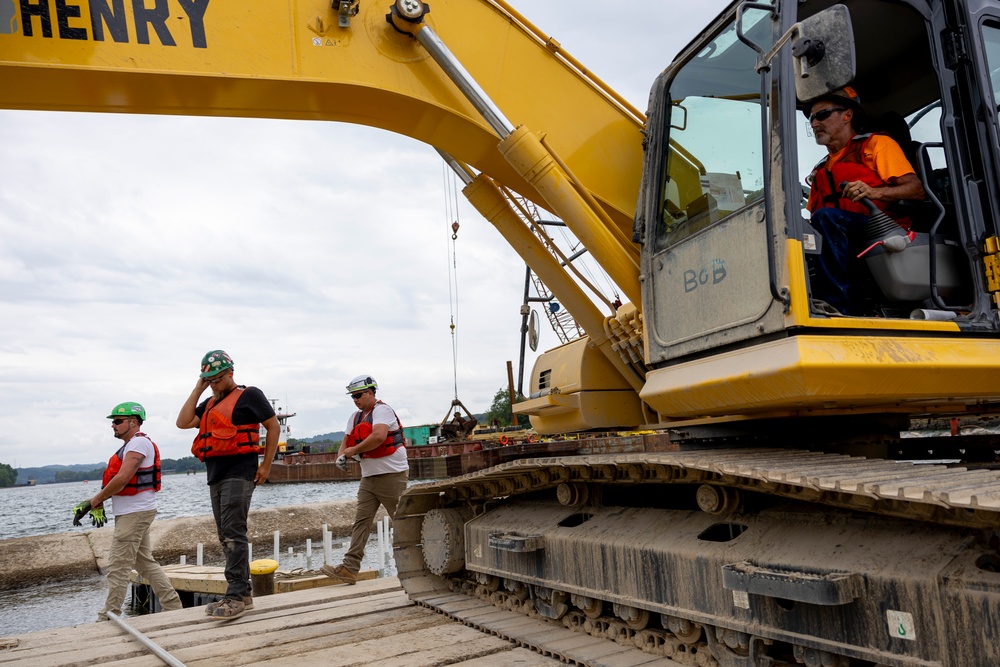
(451,214)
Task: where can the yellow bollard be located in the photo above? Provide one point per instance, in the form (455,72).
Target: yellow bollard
(262,576)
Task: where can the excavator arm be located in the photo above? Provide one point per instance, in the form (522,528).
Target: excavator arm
(451,78)
(295,60)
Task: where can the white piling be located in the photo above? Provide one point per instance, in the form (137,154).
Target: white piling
(326,548)
(388,539)
(309,547)
(381,541)
(184,559)
(277,547)
(200,558)
(249,552)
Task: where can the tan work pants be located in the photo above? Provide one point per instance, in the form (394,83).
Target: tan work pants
(373,491)
(130,549)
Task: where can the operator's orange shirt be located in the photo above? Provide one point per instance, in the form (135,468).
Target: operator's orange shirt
(881,154)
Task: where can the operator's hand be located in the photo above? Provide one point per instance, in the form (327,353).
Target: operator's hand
(97,517)
(341,462)
(79,511)
(858,190)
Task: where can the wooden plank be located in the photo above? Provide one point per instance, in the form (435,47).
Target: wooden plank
(286,582)
(441,644)
(211,580)
(518,657)
(193,627)
(259,648)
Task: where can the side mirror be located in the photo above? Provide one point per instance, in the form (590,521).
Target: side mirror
(533,331)
(823,54)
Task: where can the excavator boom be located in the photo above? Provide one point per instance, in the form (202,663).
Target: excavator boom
(295,60)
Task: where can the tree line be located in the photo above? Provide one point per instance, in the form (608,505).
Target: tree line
(184,464)
(8,476)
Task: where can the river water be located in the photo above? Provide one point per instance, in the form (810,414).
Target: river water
(46,509)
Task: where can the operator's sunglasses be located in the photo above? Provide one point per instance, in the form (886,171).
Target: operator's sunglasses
(824,114)
(358,394)
(118,422)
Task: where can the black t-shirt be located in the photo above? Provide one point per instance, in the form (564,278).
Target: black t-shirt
(252,407)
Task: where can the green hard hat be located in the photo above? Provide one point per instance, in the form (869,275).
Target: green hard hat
(128,409)
(214,363)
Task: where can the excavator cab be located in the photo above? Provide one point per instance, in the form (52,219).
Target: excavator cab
(730,306)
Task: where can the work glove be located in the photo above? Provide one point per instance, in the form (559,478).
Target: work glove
(342,460)
(79,511)
(97,517)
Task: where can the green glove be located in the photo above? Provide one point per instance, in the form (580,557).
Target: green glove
(79,511)
(97,517)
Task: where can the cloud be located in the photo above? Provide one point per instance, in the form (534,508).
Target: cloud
(311,252)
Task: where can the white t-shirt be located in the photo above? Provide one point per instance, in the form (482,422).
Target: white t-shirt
(144,500)
(395,462)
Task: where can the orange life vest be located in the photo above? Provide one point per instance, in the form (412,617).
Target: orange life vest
(144,479)
(217,436)
(363,428)
(850,167)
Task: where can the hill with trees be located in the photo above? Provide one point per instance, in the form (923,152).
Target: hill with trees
(54,474)
(8,476)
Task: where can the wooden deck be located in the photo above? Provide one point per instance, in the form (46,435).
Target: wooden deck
(211,580)
(370,623)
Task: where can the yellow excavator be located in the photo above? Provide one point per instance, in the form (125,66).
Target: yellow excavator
(738,492)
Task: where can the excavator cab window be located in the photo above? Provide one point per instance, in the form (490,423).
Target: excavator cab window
(714,164)
(991,40)
(897,80)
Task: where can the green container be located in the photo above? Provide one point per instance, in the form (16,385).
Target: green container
(416,436)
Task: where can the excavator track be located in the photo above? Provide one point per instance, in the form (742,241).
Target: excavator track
(507,592)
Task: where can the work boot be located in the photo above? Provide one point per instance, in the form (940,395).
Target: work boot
(212,606)
(340,573)
(229,608)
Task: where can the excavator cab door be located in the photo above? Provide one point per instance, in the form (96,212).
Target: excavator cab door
(705,245)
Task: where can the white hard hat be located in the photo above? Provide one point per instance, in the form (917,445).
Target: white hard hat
(361,383)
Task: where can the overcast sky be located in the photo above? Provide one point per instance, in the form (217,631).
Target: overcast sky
(311,252)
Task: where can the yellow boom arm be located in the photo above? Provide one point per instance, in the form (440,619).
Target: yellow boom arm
(450,78)
(291,59)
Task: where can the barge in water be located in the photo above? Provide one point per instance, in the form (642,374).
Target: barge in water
(442,460)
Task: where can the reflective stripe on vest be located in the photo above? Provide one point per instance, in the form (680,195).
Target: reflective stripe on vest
(144,479)
(218,436)
(362,429)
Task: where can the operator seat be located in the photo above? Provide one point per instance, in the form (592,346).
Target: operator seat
(933,261)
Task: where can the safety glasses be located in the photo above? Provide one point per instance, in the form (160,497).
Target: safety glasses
(824,114)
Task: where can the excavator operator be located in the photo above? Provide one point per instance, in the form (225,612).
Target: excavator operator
(858,166)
